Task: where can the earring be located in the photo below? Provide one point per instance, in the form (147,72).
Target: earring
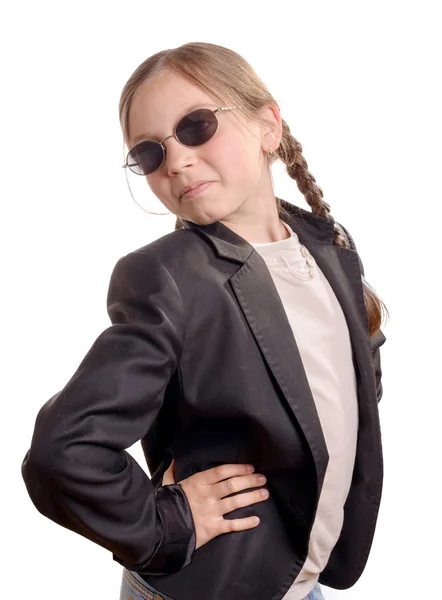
(269,151)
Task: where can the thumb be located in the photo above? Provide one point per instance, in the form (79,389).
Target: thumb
(169,475)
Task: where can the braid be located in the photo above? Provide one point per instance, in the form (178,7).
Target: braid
(290,152)
(178,224)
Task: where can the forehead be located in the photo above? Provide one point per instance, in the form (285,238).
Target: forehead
(159,102)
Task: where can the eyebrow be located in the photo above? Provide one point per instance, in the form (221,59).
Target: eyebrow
(185,112)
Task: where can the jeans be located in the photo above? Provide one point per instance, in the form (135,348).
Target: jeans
(133,587)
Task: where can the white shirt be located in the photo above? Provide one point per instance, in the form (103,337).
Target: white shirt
(321,333)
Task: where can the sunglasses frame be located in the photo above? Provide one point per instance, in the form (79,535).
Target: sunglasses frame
(214,111)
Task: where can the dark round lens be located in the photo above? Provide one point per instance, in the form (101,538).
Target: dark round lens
(145,157)
(197,127)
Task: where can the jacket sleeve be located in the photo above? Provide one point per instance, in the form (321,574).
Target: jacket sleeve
(378,338)
(77,471)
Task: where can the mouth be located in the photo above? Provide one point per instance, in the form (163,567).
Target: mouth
(197,190)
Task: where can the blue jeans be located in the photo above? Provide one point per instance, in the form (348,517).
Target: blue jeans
(133,587)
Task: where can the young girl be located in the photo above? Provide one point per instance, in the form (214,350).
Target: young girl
(243,353)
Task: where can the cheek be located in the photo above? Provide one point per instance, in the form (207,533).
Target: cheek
(159,183)
(154,184)
(160,187)
(231,158)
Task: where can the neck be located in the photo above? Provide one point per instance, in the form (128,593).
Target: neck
(257,219)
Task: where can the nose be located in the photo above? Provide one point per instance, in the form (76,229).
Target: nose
(178,157)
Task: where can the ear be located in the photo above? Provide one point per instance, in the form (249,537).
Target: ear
(271,130)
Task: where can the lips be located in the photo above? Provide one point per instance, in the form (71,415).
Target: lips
(194,187)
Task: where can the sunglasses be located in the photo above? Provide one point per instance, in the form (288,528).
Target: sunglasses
(194,129)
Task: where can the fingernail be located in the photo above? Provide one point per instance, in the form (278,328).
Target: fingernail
(249,468)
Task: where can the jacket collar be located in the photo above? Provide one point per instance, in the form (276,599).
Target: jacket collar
(309,227)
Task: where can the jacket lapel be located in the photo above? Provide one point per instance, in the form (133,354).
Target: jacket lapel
(261,305)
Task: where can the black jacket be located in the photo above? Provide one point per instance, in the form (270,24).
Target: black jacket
(200,364)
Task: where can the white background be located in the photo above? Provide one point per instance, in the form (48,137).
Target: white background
(359,85)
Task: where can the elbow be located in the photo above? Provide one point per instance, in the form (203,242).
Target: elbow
(43,472)
(36,473)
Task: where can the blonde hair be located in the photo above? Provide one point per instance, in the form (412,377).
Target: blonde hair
(223,73)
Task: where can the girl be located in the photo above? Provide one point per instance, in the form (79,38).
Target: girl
(243,353)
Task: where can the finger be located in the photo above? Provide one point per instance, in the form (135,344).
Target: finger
(229,525)
(241,500)
(216,474)
(237,484)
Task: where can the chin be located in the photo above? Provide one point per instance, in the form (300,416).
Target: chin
(210,210)
(204,217)
(201,220)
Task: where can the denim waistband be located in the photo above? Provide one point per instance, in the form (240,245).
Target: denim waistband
(133,587)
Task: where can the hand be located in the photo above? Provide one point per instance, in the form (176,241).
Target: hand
(206,493)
